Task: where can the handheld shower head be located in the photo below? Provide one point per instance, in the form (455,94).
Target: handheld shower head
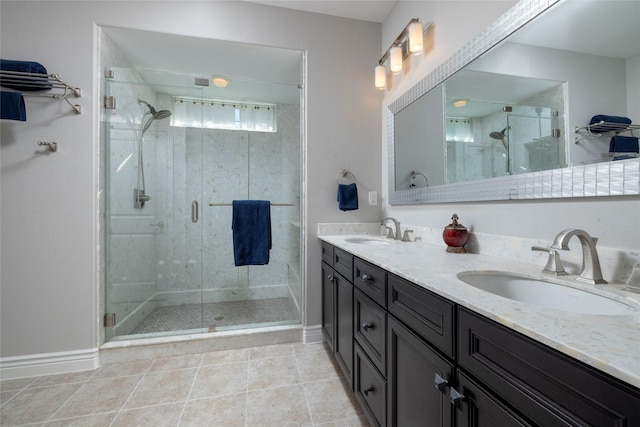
(499,135)
(155,115)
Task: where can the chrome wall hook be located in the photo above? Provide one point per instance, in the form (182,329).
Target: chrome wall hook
(53,146)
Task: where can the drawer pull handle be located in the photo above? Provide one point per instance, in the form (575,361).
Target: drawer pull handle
(455,396)
(367,391)
(366,278)
(441,383)
(367,325)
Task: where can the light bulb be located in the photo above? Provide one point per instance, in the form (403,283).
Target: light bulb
(381,77)
(416,38)
(395,59)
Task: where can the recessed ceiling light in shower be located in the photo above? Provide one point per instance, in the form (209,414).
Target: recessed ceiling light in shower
(220,81)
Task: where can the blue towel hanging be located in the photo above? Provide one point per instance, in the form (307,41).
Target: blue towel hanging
(623,144)
(12,106)
(251,224)
(347,197)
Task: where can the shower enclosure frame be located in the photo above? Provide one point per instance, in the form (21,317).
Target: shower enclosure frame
(103,203)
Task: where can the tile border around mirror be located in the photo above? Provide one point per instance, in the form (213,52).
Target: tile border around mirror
(618,178)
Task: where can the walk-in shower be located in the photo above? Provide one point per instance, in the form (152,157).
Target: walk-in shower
(139,193)
(168,263)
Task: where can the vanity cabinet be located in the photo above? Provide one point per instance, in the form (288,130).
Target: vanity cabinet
(337,306)
(422,360)
(546,386)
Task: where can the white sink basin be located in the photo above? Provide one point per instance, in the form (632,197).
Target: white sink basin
(367,241)
(545,292)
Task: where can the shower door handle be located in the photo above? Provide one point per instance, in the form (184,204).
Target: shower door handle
(194,211)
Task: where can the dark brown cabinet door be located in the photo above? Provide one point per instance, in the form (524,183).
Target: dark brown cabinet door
(344,327)
(477,408)
(413,398)
(328,303)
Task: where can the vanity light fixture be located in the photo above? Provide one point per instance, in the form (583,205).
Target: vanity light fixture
(409,42)
(459,103)
(220,81)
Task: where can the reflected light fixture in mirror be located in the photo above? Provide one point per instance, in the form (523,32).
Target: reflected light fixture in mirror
(409,42)
(220,81)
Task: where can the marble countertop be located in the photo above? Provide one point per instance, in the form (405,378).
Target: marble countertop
(610,343)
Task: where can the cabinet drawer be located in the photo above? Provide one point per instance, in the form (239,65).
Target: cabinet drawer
(327,253)
(370,388)
(371,280)
(546,386)
(369,327)
(423,311)
(343,263)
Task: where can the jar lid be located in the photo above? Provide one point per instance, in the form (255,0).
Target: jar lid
(454,224)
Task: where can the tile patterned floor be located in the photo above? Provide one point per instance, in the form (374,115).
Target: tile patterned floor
(278,385)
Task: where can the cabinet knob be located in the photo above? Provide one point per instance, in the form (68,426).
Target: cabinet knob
(331,278)
(455,396)
(366,278)
(367,325)
(441,383)
(368,390)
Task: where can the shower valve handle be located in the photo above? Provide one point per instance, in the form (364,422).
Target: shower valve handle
(194,211)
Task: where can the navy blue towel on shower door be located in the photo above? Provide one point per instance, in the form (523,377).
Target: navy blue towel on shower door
(251,224)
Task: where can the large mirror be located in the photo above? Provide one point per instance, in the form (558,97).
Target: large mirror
(512,120)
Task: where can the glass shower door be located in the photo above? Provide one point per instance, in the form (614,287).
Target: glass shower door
(146,273)
(534,143)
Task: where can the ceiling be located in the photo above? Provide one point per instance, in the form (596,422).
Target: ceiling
(364,10)
(170,63)
(257,73)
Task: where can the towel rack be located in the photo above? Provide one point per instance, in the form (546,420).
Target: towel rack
(272,204)
(343,174)
(42,82)
(611,127)
(415,174)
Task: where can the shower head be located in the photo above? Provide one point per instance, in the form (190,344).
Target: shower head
(155,115)
(499,135)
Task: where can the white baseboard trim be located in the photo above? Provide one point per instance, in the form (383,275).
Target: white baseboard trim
(35,365)
(312,334)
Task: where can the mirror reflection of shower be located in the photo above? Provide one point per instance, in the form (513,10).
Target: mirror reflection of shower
(139,193)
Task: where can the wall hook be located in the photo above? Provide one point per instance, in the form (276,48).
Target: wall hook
(53,146)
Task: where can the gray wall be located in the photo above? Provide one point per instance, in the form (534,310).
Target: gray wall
(49,299)
(614,220)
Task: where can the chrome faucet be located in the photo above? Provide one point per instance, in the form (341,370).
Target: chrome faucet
(590,271)
(398,232)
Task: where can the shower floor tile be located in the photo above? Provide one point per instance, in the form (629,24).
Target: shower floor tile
(214,315)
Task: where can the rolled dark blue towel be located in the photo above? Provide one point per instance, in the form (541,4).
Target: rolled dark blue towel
(12,106)
(251,224)
(623,144)
(25,67)
(347,197)
(619,121)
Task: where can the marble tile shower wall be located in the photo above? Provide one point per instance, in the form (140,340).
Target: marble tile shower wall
(219,166)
